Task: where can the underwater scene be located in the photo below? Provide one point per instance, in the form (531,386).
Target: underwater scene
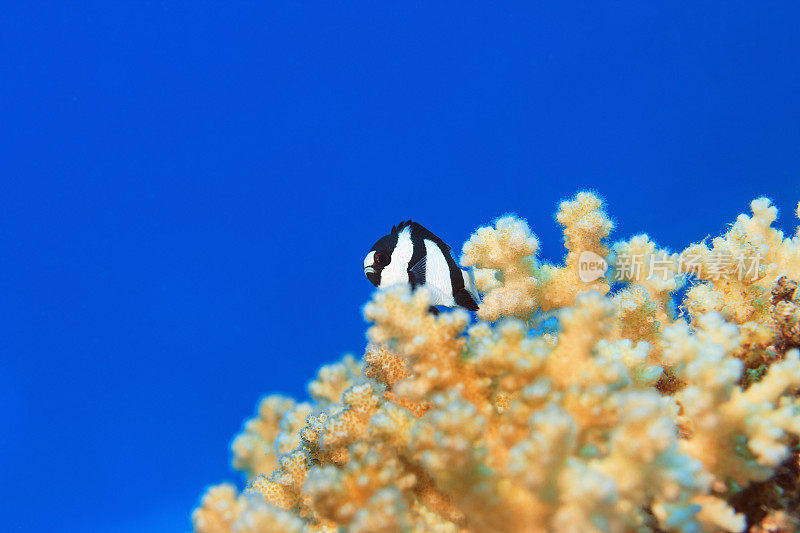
(419,267)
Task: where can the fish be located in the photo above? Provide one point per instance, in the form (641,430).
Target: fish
(411,254)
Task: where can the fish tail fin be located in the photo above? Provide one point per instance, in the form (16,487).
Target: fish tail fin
(465,299)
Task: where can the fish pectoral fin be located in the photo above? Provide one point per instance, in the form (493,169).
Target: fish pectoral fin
(416,274)
(465,299)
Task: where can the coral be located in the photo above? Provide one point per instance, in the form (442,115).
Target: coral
(269,435)
(222,510)
(737,272)
(586,227)
(520,285)
(634,412)
(506,253)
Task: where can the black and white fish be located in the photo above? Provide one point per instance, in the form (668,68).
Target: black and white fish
(411,254)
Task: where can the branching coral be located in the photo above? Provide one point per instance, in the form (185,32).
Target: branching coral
(269,435)
(627,416)
(513,283)
(739,268)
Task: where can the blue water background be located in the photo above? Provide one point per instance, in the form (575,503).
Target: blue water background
(187,191)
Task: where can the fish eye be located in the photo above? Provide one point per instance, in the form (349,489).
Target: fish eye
(380,257)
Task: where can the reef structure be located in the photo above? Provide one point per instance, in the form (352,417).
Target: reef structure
(586,397)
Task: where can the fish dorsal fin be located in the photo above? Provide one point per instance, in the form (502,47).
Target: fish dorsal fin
(401,225)
(416,274)
(421,232)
